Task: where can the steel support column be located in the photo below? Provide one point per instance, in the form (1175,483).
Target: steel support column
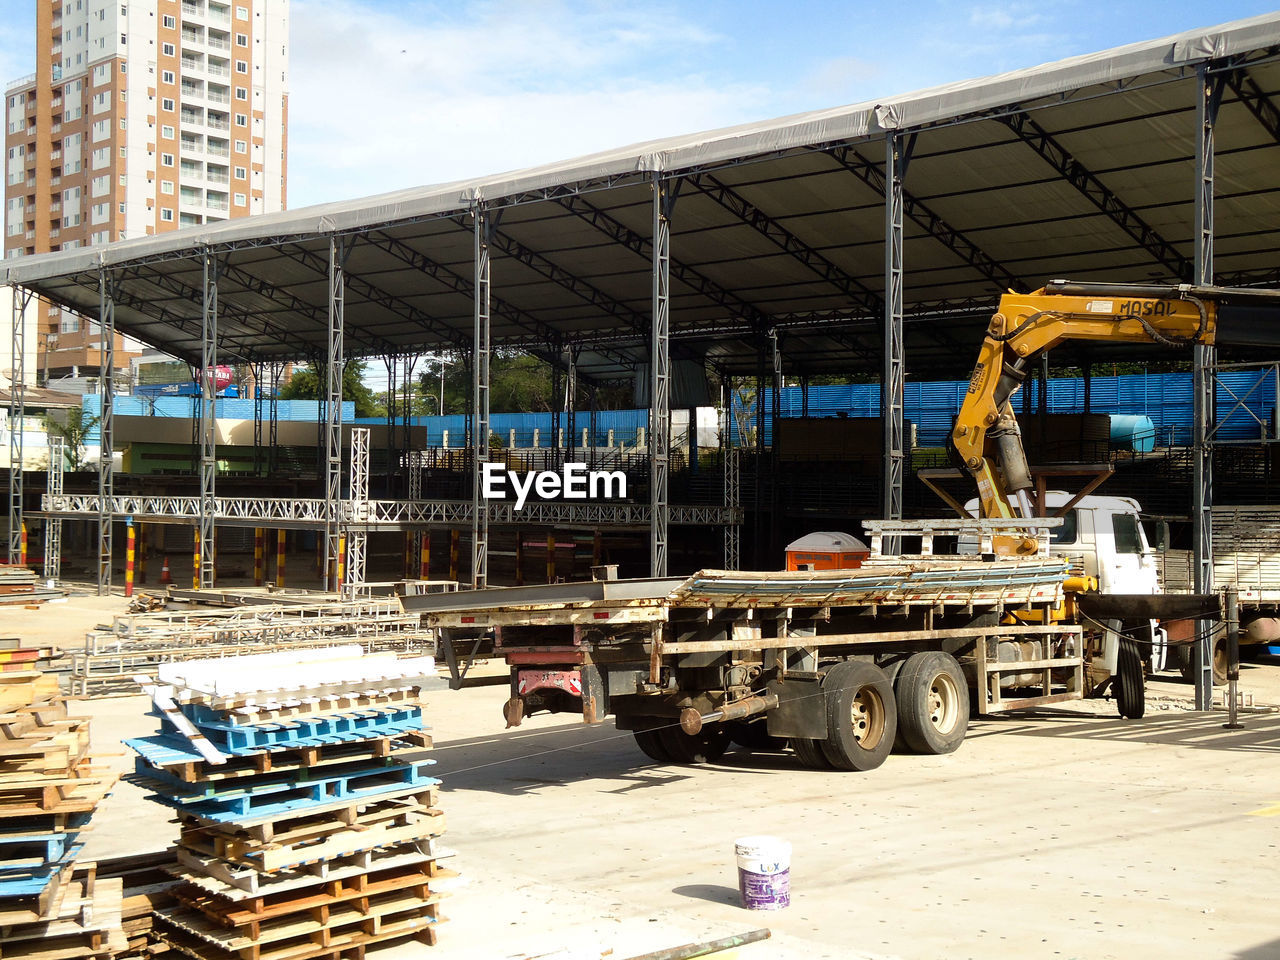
(333,410)
(106,423)
(660,376)
(481,345)
(1209,96)
(357,533)
(273,427)
(571,403)
(892,384)
(17,414)
(53,525)
(208,433)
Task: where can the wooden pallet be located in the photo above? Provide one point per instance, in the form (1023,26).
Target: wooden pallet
(248,916)
(50,751)
(81,929)
(79,794)
(250,883)
(23,688)
(30,909)
(31,719)
(319,932)
(163,754)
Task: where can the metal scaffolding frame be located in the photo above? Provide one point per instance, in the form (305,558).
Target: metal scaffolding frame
(1209,96)
(17,414)
(664,197)
(357,512)
(106,422)
(208,417)
(53,525)
(482,332)
(338,249)
(897,155)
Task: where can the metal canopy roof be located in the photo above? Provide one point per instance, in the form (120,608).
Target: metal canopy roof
(1081,169)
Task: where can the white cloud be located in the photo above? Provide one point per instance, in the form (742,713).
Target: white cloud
(385,100)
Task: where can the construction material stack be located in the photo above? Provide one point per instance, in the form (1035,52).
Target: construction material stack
(51,908)
(308,822)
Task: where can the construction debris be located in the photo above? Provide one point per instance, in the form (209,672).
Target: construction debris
(138,643)
(20,584)
(308,822)
(50,906)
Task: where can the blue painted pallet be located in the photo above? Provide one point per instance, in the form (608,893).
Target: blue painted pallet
(31,881)
(237,804)
(267,783)
(46,847)
(170,750)
(365,724)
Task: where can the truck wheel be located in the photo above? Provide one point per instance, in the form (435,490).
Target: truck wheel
(862,717)
(810,753)
(1130,692)
(933,703)
(706,746)
(650,742)
(754,735)
(1187,662)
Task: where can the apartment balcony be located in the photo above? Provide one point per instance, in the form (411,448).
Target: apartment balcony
(218,178)
(217,43)
(218,124)
(216,204)
(218,97)
(189,64)
(217,151)
(193,10)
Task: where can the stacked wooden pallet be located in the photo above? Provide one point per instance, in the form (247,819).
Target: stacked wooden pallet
(50,906)
(308,821)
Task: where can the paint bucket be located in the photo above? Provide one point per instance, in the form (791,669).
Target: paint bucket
(764,872)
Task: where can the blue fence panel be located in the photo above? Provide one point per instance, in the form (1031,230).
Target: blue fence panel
(225,408)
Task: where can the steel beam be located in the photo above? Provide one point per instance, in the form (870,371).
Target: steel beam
(1209,96)
(338,249)
(1097,193)
(17,416)
(660,373)
(207,418)
(53,525)
(482,333)
(106,423)
(1255,100)
(897,155)
(358,509)
(924,217)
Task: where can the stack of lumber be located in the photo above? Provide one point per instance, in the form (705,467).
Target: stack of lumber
(308,823)
(20,584)
(147,882)
(51,908)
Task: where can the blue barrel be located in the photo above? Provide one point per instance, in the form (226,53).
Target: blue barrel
(1130,432)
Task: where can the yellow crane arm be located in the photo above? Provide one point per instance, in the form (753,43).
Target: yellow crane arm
(986,433)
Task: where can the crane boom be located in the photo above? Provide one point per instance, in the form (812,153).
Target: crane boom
(986,433)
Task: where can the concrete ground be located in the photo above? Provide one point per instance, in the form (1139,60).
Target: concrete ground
(1058,834)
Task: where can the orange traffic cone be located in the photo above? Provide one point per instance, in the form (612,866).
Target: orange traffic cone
(165,576)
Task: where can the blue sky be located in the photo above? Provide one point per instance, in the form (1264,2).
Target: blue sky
(387,94)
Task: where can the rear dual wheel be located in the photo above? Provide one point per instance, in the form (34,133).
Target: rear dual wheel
(933,703)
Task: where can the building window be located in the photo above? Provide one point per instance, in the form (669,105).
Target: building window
(240,201)
(166,104)
(242,39)
(166,159)
(122,208)
(242,66)
(167,49)
(242,13)
(241,120)
(166,215)
(240,146)
(166,187)
(166,76)
(168,22)
(240,173)
(242,93)
(166,132)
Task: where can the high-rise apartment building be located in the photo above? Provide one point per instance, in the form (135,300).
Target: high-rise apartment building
(142,116)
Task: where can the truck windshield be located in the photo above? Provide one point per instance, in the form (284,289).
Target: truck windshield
(1125,528)
(1067,532)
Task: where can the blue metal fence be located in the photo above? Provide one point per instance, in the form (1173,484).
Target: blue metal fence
(225,408)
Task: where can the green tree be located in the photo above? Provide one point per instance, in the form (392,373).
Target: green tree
(305,385)
(74,431)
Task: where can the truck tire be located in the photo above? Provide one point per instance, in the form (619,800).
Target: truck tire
(706,746)
(1129,688)
(754,735)
(1187,662)
(650,743)
(810,753)
(933,703)
(862,717)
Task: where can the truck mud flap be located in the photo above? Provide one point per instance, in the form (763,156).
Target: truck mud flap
(801,710)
